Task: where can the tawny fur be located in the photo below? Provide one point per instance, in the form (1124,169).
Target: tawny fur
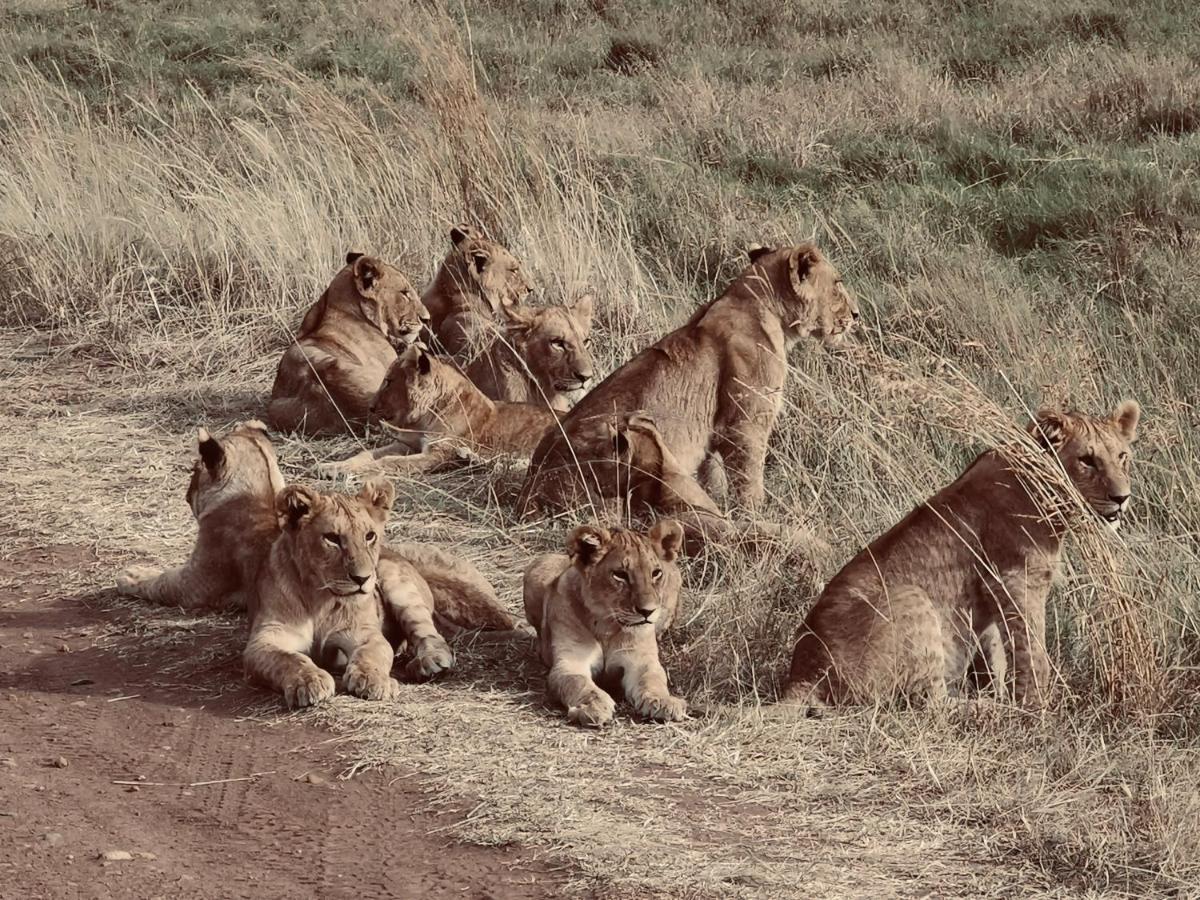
(714,385)
(232,495)
(327,377)
(971,566)
(598,613)
(476,279)
(540,356)
(437,415)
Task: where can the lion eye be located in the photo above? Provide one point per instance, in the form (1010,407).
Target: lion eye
(559,345)
(332,539)
(657,574)
(621,575)
(1088,460)
(587,342)
(370,537)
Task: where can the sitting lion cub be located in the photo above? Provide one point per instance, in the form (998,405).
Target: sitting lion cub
(964,574)
(436,413)
(598,613)
(346,342)
(317,595)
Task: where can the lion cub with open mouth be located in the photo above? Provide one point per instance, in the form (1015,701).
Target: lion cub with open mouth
(598,613)
(316,595)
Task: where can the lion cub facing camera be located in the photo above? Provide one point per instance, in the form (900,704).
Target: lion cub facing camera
(598,613)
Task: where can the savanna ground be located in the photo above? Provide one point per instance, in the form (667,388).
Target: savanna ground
(1010,188)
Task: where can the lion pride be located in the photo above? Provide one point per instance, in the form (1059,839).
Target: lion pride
(909,614)
(346,342)
(714,385)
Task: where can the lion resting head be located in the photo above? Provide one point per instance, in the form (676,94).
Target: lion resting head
(554,342)
(334,540)
(417,390)
(1095,452)
(487,267)
(369,289)
(240,463)
(806,290)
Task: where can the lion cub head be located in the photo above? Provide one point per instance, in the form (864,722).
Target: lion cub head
(495,273)
(812,300)
(377,292)
(415,390)
(241,462)
(1095,452)
(629,579)
(554,342)
(335,539)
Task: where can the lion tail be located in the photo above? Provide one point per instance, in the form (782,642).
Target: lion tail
(461,595)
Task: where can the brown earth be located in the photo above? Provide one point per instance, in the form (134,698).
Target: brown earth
(81,712)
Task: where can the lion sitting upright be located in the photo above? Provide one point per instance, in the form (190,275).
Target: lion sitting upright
(969,568)
(714,385)
(436,413)
(346,342)
(475,281)
(598,613)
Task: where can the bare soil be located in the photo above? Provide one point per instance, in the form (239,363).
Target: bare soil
(82,713)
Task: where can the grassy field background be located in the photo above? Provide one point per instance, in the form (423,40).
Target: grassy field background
(1009,187)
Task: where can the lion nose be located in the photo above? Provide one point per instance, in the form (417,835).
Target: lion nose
(1119,499)
(646,611)
(583,377)
(360,580)
(855,314)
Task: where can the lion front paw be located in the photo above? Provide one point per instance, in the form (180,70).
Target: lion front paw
(370,685)
(662,709)
(432,657)
(596,710)
(309,689)
(134,581)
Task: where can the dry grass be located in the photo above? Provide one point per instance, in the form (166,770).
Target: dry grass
(1019,229)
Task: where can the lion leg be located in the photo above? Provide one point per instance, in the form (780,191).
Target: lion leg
(386,462)
(989,668)
(368,671)
(570,683)
(411,613)
(363,461)
(744,451)
(1030,662)
(275,657)
(645,684)
(173,587)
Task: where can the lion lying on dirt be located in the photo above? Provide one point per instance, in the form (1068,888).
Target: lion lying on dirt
(477,279)
(346,342)
(598,613)
(316,597)
(438,416)
(541,356)
(714,385)
(232,494)
(974,563)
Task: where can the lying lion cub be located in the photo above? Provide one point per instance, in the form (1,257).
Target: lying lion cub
(437,414)
(969,568)
(317,596)
(598,613)
(346,342)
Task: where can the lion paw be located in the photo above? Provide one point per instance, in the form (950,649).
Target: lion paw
(596,710)
(662,709)
(370,685)
(309,689)
(431,658)
(133,581)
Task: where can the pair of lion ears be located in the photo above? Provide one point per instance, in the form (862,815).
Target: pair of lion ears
(802,257)
(1053,428)
(297,502)
(212,453)
(588,543)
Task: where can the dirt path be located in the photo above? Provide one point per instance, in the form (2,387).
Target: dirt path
(80,713)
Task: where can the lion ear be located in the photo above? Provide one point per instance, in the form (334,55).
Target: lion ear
(480,260)
(353,257)
(366,274)
(1126,415)
(758,250)
(620,443)
(378,494)
(586,544)
(295,504)
(583,309)
(460,233)
(800,262)
(1050,428)
(211,451)
(518,317)
(667,538)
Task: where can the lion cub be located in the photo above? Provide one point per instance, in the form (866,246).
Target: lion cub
(317,596)
(598,613)
(436,413)
(966,572)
